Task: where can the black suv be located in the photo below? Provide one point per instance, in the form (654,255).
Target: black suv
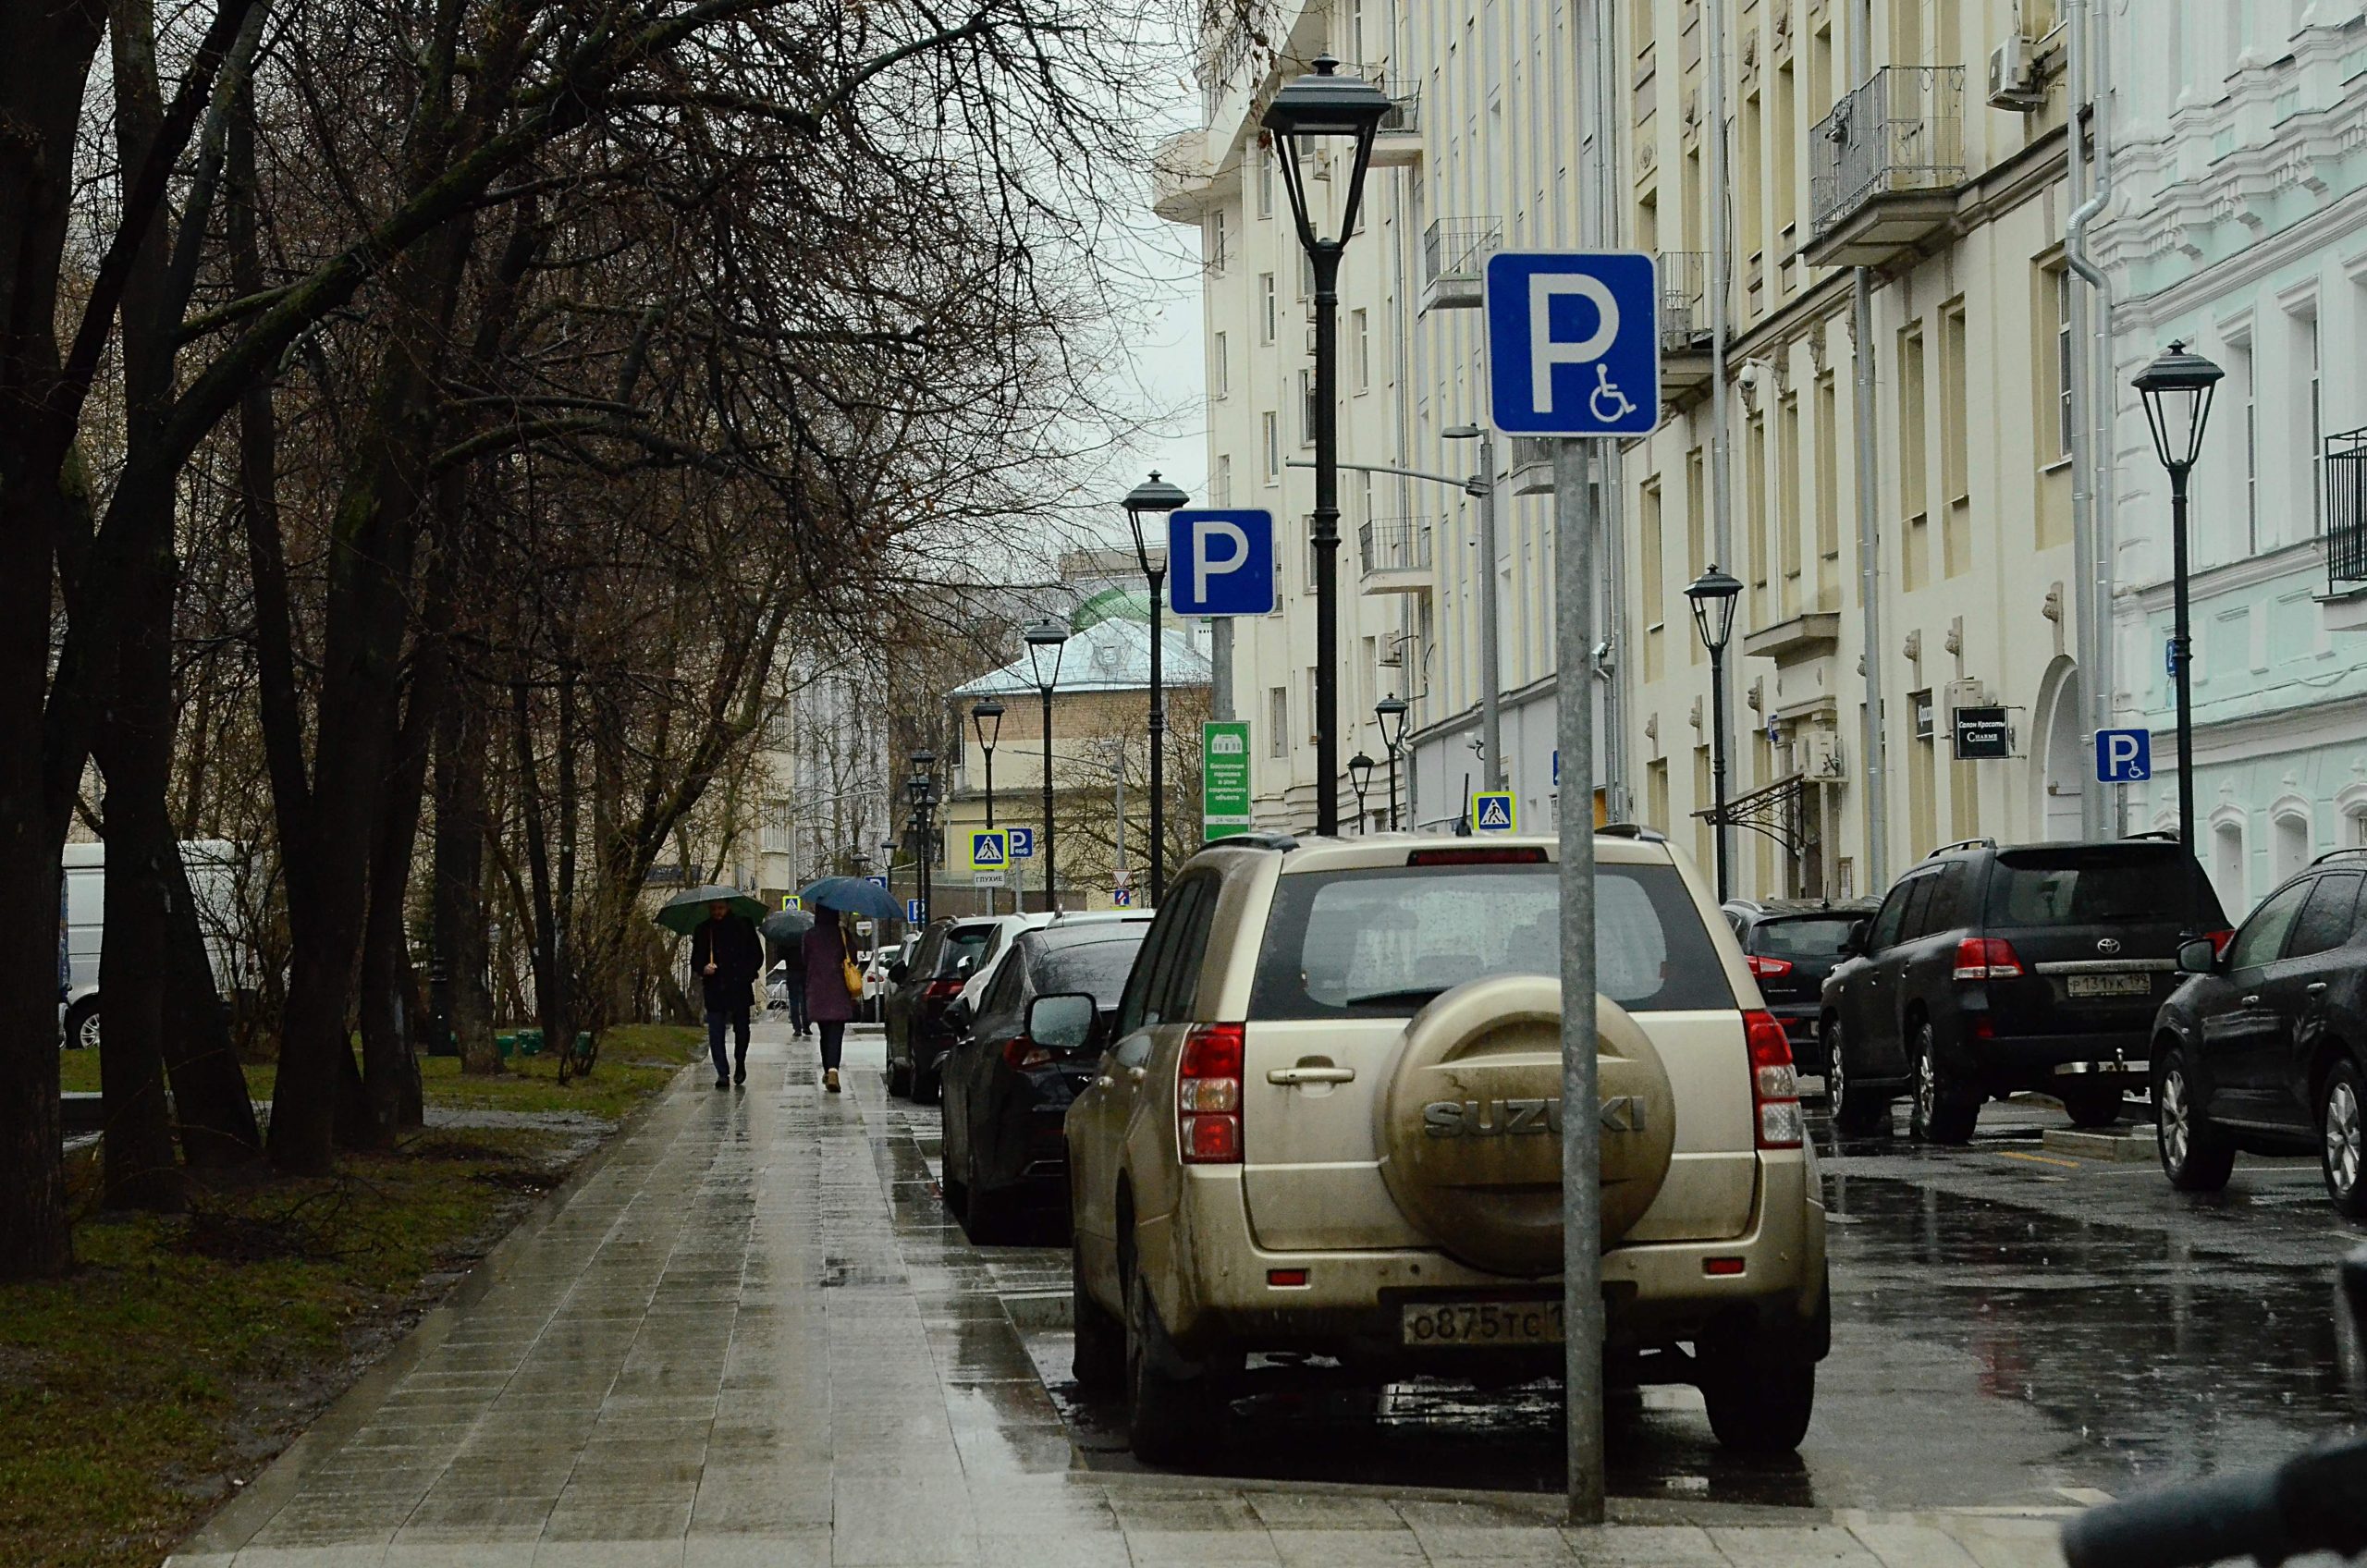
(912,1007)
(1791,945)
(2264,1049)
(1988,970)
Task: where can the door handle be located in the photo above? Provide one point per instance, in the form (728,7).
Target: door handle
(1137,1074)
(2316,988)
(2252,1000)
(1104,1082)
(1287,1075)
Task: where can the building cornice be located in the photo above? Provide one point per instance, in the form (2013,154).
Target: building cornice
(2289,560)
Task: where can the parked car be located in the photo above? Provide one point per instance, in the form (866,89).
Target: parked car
(1008,930)
(1791,945)
(2263,1050)
(1009,1079)
(913,1005)
(1301,1138)
(214,868)
(1990,971)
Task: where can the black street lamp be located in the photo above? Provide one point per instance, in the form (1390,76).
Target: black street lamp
(1360,777)
(1318,109)
(985,722)
(1713,594)
(1390,713)
(1156,497)
(922,787)
(1046,641)
(2177,389)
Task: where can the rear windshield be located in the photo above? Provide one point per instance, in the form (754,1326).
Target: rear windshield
(961,942)
(2102,886)
(1381,942)
(1098,968)
(1811,936)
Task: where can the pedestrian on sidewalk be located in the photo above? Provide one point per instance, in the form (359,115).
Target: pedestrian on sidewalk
(727,955)
(792,953)
(830,1002)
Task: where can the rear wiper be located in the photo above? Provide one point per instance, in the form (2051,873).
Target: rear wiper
(1406,994)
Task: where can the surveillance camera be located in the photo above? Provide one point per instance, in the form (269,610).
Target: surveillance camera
(1749,375)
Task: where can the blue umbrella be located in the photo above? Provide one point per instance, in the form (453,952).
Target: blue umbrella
(852,895)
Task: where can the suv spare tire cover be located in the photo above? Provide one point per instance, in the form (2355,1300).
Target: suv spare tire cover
(1469,1125)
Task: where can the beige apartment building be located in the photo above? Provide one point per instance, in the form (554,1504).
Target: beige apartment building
(1921,140)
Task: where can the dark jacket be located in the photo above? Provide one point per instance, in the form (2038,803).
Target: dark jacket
(827,1000)
(738,953)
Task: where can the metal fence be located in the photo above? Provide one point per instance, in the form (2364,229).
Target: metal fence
(1684,297)
(1459,247)
(1395,544)
(1902,131)
(2346,462)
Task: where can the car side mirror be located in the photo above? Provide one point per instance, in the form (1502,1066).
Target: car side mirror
(899,971)
(1861,934)
(966,967)
(1063,1021)
(2198,957)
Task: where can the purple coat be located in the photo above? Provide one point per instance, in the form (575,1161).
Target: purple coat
(826,988)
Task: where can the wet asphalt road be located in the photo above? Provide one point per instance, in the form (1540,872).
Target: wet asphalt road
(2013,1326)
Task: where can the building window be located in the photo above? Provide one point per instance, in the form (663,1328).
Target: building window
(1314,707)
(1913,476)
(776,827)
(1266,183)
(2291,839)
(1221,487)
(1266,308)
(1306,408)
(2317,435)
(1219,368)
(2243,358)
(1278,721)
(2228,865)
(2063,352)
(1360,326)
(1273,448)
(1955,465)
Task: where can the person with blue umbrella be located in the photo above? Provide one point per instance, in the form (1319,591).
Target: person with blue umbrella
(833,985)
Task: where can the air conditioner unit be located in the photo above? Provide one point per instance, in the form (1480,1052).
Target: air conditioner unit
(2012,76)
(1818,752)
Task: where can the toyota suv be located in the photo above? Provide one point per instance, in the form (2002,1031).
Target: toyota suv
(1320,1126)
(1989,971)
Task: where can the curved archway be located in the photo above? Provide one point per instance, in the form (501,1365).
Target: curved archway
(2061,776)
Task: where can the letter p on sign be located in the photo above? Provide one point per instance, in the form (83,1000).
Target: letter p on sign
(1221,562)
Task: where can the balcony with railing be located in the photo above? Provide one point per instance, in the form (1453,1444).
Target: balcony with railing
(1685,324)
(1454,257)
(1398,144)
(1184,183)
(1395,552)
(2345,466)
(1886,164)
(1531,466)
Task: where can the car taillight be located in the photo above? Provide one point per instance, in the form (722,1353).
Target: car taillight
(1775,1085)
(1022,1052)
(1207,1095)
(2219,940)
(1768,968)
(1987,958)
(1511,854)
(938,990)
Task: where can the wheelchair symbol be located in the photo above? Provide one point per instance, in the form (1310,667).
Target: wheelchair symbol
(1606,402)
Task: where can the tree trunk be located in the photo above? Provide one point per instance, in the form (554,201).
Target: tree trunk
(461,915)
(210,1099)
(550,958)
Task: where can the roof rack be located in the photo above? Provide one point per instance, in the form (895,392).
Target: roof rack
(1635,831)
(2164,834)
(1282,842)
(2337,854)
(1963,844)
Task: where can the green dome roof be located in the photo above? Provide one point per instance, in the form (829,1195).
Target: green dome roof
(1111,604)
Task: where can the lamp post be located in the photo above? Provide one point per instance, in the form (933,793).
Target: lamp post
(1046,641)
(985,722)
(922,787)
(1319,108)
(1713,594)
(2177,389)
(1155,497)
(1360,775)
(1491,725)
(1390,714)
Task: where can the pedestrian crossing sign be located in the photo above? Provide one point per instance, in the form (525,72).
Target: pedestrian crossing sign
(989,849)
(1494,810)
(791,900)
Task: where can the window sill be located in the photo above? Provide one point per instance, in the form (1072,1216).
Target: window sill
(2057,466)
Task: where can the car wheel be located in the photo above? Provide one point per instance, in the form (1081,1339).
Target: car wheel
(988,1216)
(2094,1104)
(1099,1356)
(1760,1390)
(1856,1113)
(2196,1156)
(1169,1419)
(2342,1116)
(1943,1110)
(925,1084)
(899,1078)
(82,1026)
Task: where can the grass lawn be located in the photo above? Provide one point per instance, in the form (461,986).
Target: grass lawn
(186,1351)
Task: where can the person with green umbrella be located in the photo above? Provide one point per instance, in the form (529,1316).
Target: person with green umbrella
(727,957)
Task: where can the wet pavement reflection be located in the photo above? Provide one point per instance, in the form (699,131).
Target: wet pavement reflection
(2011,1328)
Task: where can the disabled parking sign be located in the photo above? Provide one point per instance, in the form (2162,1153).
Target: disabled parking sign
(1494,810)
(1574,346)
(2124,757)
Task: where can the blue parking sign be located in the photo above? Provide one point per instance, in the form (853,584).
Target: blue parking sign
(2124,757)
(1023,843)
(1221,562)
(879,882)
(915,911)
(1574,345)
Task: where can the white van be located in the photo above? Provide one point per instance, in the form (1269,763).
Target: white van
(212,865)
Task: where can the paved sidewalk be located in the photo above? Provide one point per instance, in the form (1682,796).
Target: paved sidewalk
(749,1337)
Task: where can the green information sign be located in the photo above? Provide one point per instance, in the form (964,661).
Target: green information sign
(1224,779)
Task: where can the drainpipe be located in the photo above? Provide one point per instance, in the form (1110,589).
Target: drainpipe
(1714,17)
(1599,228)
(2091,398)
(1874,737)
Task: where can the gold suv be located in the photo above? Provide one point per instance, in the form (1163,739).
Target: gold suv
(1326,1124)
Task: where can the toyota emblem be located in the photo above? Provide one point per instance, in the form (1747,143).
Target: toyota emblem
(2107,944)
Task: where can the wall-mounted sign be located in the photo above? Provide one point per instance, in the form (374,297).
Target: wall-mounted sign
(1984,734)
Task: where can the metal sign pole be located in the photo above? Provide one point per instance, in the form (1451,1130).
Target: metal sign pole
(1582,1315)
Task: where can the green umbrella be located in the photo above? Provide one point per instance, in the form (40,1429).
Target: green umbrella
(686,913)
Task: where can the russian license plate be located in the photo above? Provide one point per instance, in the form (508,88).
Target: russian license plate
(2108,984)
(1481,1324)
